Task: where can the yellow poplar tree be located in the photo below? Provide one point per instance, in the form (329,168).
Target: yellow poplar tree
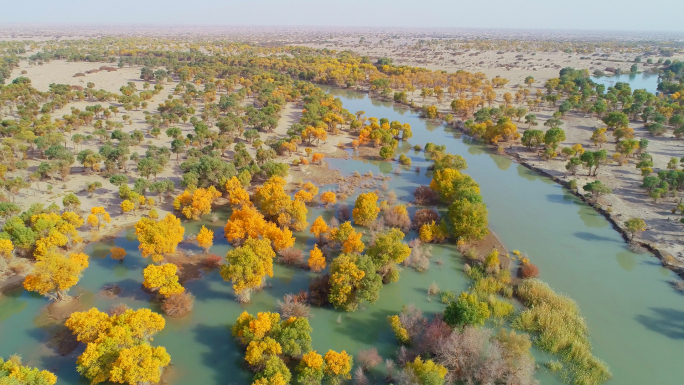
(328,197)
(247,266)
(54,274)
(205,238)
(337,366)
(163,278)
(366,209)
(316,259)
(197,204)
(118,348)
(159,237)
(319,227)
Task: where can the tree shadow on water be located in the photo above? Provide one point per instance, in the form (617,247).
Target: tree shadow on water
(365,330)
(225,356)
(593,237)
(668,322)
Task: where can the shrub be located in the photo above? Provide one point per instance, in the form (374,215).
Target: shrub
(425,196)
(397,217)
(212,262)
(118,253)
(369,358)
(528,270)
(344,213)
(467,310)
(474,356)
(424,216)
(319,289)
(433,289)
(291,257)
(178,305)
(293,306)
(447,296)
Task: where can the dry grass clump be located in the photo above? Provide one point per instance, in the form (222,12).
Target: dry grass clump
(291,257)
(425,196)
(293,306)
(178,305)
(433,289)
(560,329)
(419,258)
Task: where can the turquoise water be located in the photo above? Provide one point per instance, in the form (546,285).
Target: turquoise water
(649,82)
(635,318)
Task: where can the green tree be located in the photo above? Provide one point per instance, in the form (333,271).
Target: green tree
(597,188)
(468,220)
(466,310)
(635,225)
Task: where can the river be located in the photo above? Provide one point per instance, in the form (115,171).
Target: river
(635,318)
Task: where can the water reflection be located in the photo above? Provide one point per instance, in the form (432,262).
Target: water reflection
(11,303)
(502,162)
(591,218)
(626,260)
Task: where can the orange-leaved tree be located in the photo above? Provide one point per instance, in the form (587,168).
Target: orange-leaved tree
(237,195)
(328,197)
(319,227)
(194,205)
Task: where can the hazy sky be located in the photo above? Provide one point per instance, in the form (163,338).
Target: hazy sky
(651,15)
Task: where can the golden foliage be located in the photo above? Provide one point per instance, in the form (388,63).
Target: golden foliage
(247,266)
(118,253)
(319,227)
(328,197)
(366,209)
(347,237)
(6,248)
(197,204)
(14,373)
(338,364)
(159,237)
(205,238)
(117,346)
(163,278)
(316,259)
(55,273)
(399,330)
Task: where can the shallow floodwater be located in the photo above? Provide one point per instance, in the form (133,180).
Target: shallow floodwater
(635,318)
(649,82)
